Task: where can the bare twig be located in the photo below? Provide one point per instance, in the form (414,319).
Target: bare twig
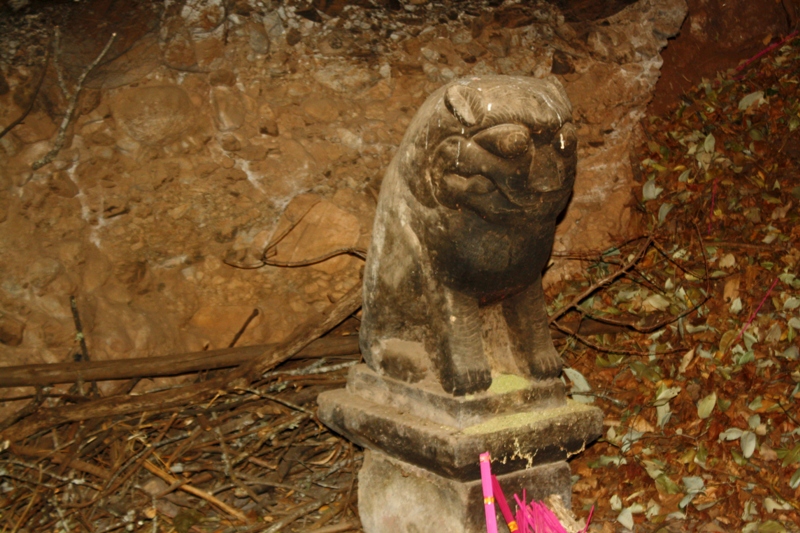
(357,252)
(73,100)
(297,514)
(241,331)
(605,281)
(196,492)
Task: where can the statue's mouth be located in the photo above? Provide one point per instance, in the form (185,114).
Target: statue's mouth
(478,185)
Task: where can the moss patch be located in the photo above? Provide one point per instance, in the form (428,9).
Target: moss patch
(505,383)
(529,418)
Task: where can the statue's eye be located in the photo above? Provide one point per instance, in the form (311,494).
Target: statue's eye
(506,140)
(565,141)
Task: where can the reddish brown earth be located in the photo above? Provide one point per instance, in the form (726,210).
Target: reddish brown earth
(716,36)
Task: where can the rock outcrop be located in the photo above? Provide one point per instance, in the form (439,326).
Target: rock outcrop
(207,132)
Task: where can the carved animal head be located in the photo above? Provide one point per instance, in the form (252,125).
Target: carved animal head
(499,146)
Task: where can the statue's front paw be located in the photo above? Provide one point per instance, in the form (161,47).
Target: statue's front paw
(470,381)
(546,364)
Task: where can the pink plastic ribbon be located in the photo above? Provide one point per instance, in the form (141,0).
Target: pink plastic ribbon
(503,504)
(488,493)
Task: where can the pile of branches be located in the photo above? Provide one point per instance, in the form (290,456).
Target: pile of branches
(224,452)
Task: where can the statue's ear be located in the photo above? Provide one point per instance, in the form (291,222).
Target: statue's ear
(465,103)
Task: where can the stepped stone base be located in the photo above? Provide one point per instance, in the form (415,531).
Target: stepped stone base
(421,473)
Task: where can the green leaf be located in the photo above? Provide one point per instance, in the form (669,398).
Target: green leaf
(748,443)
(723,404)
(665,394)
(629,438)
(663,413)
(642,370)
(701,455)
(731,434)
(655,301)
(706,405)
(794,481)
(738,458)
(791,303)
(792,456)
(663,211)
(665,485)
(756,97)
(694,484)
(653,469)
(710,143)
(650,190)
(605,460)
(612,361)
(579,385)
(771,526)
(626,518)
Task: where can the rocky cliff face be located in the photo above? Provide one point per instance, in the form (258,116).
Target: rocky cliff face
(211,130)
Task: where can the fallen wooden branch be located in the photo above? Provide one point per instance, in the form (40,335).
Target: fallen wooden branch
(236,378)
(167,365)
(174,365)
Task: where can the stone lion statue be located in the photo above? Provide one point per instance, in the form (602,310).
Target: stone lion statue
(466,219)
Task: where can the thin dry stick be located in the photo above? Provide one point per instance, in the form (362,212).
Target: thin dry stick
(661,323)
(275,241)
(73,100)
(196,492)
(358,252)
(298,513)
(754,313)
(621,351)
(602,282)
(241,331)
(341,527)
(34,499)
(231,472)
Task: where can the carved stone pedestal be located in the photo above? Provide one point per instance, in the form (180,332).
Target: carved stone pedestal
(422,474)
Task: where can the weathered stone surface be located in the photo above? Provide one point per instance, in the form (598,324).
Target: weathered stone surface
(37,127)
(144,225)
(11,330)
(229,109)
(220,324)
(426,399)
(154,115)
(177,45)
(399,497)
(465,219)
(518,440)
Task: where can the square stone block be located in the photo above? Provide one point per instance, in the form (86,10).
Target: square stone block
(398,497)
(526,435)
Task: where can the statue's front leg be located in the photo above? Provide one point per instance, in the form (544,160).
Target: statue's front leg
(529,331)
(461,363)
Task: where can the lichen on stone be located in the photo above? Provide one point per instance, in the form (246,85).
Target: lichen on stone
(505,383)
